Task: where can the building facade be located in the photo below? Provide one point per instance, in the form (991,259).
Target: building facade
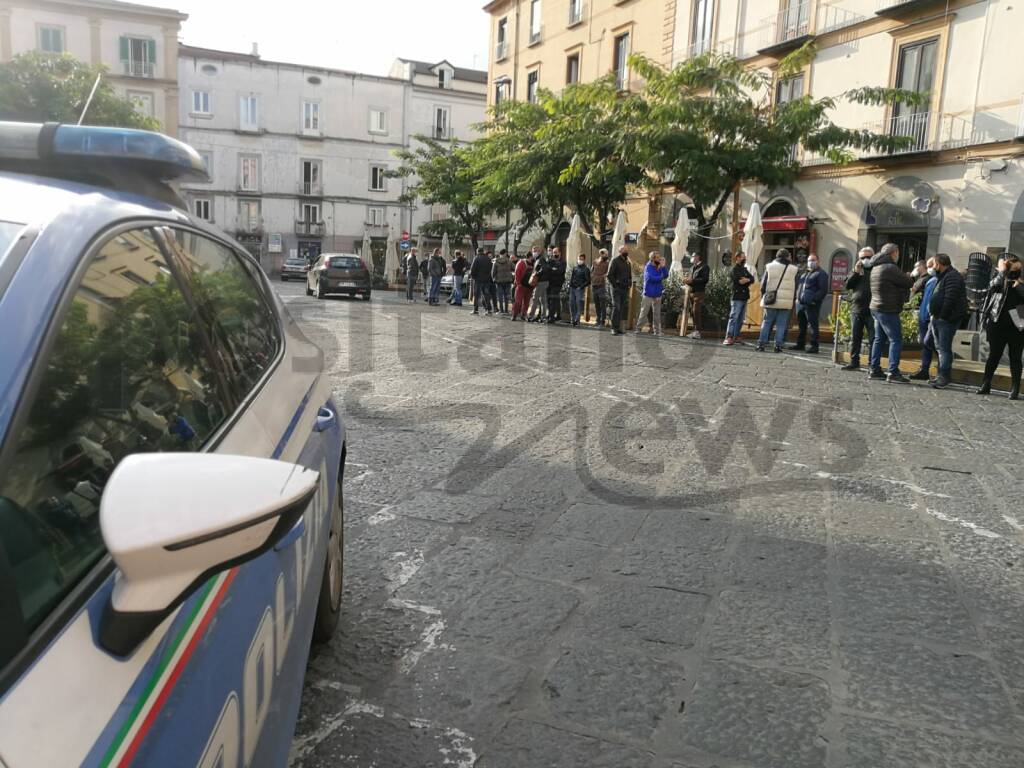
(299,156)
(137,44)
(959,187)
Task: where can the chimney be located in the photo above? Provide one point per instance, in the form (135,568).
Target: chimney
(255,50)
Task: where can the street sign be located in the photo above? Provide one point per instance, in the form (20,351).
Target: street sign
(406,244)
(405,236)
(274,242)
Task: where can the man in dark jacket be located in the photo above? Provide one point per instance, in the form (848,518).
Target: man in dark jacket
(811,290)
(890,290)
(480,274)
(459,267)
(700,274)
(620,277)
(412,271)
(556,279)
(858,288)
(578,282)
(947,307)
(425,273)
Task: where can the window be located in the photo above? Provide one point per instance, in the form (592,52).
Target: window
(442,128)
(378,121)
(378,180)
(138,56)
(311,213)
(201,207)
(249,112)
(127,373)
(619,62)
(142,101)
(249,173)
(532,81)
(311,184)
(234,307)
(916,72)
(572,69)
(501,89)
(249,218)
(444,78)
(311,117)
(51,39)
(501,49)
(207,157)
(201,103)
(703,25)
(535,26)
(789,89)
(375,216)
(575,12)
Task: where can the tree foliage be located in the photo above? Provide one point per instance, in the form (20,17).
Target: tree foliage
(38,87)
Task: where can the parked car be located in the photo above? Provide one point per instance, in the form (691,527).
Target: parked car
(294,269)
(158,594)
(339,273)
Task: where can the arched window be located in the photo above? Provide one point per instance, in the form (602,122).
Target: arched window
(779,207)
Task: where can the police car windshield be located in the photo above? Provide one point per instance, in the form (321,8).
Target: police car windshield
(8,234)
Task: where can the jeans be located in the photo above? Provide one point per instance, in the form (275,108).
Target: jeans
(435,288)
(600,294)
(861,321)
(576,299)
(780,319)
(942,332)
(620,306)
(887,331)
(410,285)
(539,305)
(927,339)
(481,295)
(737,313)
(504,293)
(650,304)
(809,315)
(523,295)
(456,289)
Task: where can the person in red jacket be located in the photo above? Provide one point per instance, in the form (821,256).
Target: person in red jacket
(523,290)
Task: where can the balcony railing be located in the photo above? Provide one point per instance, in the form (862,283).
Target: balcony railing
(139,68)
(441,132)
(311,188)
(832,17)
(249,227)
(928,132)
(501,51)
(314,228)
(898,8)
(786,29)
(577,12)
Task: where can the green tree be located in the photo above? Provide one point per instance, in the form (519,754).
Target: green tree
(38,87)
(712,122)
(443,175)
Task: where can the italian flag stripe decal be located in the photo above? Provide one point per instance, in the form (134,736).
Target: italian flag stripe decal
(128,740)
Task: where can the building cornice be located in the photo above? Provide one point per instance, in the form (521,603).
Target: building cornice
(105,9)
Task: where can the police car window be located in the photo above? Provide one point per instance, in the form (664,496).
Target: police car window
(235,305)
(131,371)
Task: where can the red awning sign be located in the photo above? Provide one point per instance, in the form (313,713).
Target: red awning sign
(783,224)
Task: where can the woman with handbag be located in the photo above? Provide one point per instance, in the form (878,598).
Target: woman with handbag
(1003,318)
(778,292)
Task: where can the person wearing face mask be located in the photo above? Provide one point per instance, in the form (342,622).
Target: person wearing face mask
(947,307)
(812,288)
(890,290)
(742,279)
(927,279)
(858,291)
(539,281)
(579,279)
(654,286)
(599,286)
(1004,322)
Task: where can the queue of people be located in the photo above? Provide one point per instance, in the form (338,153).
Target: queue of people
(529,289)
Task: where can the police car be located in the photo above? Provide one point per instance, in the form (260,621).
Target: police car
(170,469)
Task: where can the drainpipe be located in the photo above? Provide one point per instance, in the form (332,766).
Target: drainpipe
(515,55)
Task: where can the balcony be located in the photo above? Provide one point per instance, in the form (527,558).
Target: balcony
(897,9)
(249,229)
(247,191)
(577,12)
(501,51)
(833,17)
(536,36)
(929,132)
(311,189)
(786,30)
(440,132)
(138,68)
(309,228)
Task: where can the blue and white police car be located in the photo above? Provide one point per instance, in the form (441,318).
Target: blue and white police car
(170,469)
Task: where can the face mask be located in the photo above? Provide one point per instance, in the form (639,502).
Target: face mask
(932,271)
(812,265)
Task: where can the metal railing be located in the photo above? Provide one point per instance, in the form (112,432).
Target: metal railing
(311,188)
(309,227)
(928,132)
(788,24)
(883,5)
(577,11)
(249,226)
(134,68)
(441,132)
(832,17)
(501,51)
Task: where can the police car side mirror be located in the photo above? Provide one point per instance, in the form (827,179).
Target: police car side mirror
(172,520)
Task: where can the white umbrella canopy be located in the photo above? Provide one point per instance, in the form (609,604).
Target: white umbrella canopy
(446,249)
(391,262)
(366,252)
(753,236)
(619,237)
(679,242)
(574,245)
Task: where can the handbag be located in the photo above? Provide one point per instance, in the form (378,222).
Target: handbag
(771,297)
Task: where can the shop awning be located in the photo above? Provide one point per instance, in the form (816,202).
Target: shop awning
(783,224)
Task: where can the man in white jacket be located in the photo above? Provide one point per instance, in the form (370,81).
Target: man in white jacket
(778,292)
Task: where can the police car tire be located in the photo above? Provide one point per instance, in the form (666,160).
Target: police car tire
(328,608)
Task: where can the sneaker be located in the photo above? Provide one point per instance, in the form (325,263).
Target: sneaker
(694,335)
(813,350)
(728,341)
(759,347)
(658,333)
(488,313)
(778,348)
(618,333)
(920,375)
(474,312)
(940,382)
(896,378)
(851,367)
(877,375)
(797,348)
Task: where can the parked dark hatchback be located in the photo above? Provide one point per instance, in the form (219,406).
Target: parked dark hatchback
(340,273)
(294,269)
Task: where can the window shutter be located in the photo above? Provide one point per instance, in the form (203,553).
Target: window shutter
(125,46)
(151,51)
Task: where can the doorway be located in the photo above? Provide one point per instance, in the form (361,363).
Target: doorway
(913,246)
(309,250)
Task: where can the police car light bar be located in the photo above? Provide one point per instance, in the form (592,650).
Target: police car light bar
(85,145)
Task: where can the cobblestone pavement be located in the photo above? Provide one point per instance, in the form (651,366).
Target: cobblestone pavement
(569,549)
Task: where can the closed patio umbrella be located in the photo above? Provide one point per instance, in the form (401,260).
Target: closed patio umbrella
(619,236)
(574,245)
(366,252)
(391,261)
(753,236)
(679,242)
